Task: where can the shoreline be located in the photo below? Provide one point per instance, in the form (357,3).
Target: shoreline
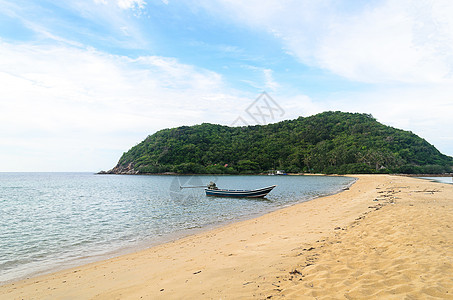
(153,242)
(247,259)
(266,174)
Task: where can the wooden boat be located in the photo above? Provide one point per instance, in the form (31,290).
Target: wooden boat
(258,193)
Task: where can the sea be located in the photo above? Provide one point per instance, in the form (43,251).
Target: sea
(448,179)
(54,221)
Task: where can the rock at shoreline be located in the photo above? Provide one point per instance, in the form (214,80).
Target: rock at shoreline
(123,170)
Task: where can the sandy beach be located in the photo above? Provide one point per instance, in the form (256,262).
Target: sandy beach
(387,237)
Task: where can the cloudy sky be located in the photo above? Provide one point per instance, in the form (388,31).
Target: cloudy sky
(82,81)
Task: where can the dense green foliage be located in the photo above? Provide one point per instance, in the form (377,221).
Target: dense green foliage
(330,142)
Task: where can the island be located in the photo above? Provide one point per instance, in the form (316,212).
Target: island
(329,143)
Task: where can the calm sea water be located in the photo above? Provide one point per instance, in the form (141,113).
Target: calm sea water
(439,179)
(51,221)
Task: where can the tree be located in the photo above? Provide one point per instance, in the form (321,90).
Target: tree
(327,142)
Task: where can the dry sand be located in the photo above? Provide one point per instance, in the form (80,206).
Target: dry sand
(388,237)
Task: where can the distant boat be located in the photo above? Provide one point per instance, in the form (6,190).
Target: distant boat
(258,193)
(277,172)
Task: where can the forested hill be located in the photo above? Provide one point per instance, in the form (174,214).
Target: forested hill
(330,142)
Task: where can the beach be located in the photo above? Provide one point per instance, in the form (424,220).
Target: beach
(385,237)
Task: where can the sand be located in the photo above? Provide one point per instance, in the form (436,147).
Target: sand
(387,237)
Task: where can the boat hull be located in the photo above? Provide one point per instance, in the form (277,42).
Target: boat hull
(258,193)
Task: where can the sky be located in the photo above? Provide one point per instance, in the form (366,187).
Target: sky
(83,81)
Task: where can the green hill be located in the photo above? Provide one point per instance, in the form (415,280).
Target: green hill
(330,142)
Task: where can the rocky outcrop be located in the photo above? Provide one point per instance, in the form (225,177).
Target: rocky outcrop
(121,169)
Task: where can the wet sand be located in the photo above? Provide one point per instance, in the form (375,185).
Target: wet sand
(387,237)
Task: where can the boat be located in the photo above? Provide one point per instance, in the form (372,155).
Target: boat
(212,190)
(276,172)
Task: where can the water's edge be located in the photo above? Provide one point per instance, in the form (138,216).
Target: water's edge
(175,236)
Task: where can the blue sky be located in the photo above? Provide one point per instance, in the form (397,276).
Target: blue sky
(83,81)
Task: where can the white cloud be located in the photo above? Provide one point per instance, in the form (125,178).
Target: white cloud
(387,41)
(131,4)
(106,22)
(265,81)
(270,83)
(397,41)
(123,4)
(60,100)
